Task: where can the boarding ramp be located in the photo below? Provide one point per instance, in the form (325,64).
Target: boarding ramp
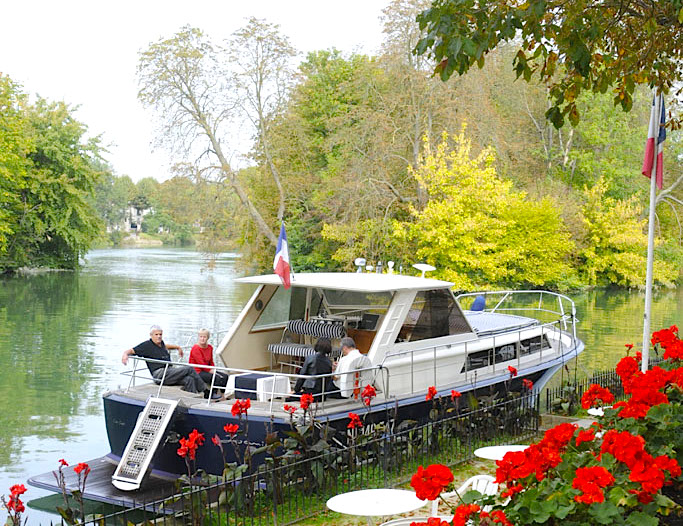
(143,443)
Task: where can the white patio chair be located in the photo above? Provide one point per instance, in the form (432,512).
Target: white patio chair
(484,484)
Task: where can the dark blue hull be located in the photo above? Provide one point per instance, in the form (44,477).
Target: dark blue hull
(121,413)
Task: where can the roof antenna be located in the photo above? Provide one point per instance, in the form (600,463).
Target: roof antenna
(360,263)
(423,267)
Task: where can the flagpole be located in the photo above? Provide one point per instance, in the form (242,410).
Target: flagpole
(650,247)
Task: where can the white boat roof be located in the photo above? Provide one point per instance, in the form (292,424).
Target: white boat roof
(355,281)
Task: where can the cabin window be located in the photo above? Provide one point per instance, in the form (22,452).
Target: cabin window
(504,353)
(284,305)
(434,313)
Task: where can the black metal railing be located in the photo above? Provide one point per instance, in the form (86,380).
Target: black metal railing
(284,491)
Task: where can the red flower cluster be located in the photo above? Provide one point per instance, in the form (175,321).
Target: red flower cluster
(240,407)
(513,371)
(596,393)
(590,482)
(429,483)
(14,503)
(290,409)
(668,339)
(306,401)
(216,440)
(455,394)
(231,429)
(585,435)
(368,394)
(528,384)
(431,393)
(355,421)
(82,466)
(463,512)
(497,516)
(188,446)
(645,388)
(512,490)
(537,458)
(63,462)
(645,469)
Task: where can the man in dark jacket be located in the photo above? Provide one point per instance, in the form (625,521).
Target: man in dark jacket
(156,349)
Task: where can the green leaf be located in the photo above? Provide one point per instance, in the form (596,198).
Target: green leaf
(638,518)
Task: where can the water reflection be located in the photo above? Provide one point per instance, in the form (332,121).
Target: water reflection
(62,335)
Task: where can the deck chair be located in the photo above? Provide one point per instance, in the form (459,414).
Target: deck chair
(484,484)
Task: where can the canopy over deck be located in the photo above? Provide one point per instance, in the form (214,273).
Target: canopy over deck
(361,282)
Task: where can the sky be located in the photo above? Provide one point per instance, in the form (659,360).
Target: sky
(85,53)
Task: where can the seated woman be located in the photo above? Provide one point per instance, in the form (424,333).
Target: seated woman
(315,364)
(202,354)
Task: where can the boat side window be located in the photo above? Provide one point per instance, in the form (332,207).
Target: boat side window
(504,353)
(434,313)
(285,305)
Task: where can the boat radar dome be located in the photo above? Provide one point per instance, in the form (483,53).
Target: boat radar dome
(423,267)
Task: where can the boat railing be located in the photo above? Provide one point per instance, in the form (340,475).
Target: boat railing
(274,386)
(479,376)
(564,307)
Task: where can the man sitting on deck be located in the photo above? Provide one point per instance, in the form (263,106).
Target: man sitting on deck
(156,349)
(352,360)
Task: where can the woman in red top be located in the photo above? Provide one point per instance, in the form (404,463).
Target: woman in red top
(202,354)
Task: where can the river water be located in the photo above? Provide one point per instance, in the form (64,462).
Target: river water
(62,335)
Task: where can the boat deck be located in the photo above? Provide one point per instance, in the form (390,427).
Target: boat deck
(274,408)
(99,487)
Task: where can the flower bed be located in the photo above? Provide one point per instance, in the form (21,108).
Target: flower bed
(624,469)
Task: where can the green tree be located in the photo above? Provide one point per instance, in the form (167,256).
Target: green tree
(49,219)
(477,231)
(614,248)
(586,45)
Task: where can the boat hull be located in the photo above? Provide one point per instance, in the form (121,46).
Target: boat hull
(121,413)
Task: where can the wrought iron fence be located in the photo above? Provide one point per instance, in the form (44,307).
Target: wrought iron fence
(283,491)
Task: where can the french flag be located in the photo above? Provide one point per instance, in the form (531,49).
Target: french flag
(656,131)
(281,261)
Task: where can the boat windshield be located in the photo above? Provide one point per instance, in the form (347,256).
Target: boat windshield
(434,313)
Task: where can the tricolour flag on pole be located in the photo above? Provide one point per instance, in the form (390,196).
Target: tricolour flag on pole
(281,261)
(656,136)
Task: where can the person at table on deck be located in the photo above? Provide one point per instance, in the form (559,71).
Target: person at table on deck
(348,362)
(314,364)
(202,354)
(156,349)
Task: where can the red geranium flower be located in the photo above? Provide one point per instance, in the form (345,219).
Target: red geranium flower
(512,490)
(590,482)
(513,371)
(306,401)
(355,421)
(594,394)
(231,429)
(585,436)
(431,393)
(429,483)
(431,521)
(463,513)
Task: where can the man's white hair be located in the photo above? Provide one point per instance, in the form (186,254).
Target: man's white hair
(155,328)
